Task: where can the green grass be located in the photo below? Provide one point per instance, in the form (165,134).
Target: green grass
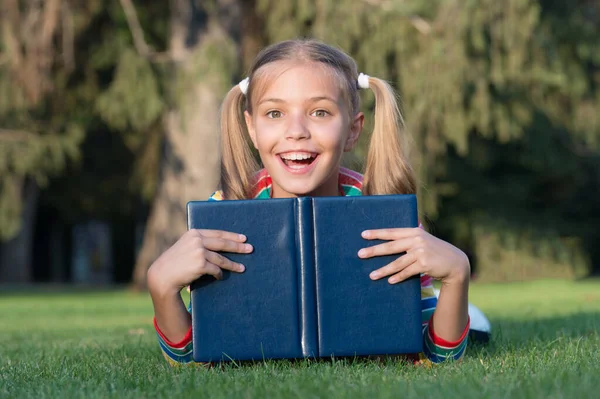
(546,341)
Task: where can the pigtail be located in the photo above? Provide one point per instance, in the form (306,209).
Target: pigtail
(238,165)
(387,170)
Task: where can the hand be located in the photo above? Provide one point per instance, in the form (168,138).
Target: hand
(424,254)
(192,256)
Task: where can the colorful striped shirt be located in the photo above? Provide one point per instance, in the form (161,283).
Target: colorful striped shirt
(435,349)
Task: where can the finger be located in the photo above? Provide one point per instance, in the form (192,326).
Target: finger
(393,267)
(387,248)
(227,235)
(225,245)
(409,271)
(224,263)
(213,270)
(391,234)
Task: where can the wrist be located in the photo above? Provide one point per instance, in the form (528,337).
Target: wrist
(461,273)
(158,286)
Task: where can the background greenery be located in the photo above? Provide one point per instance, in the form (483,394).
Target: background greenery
(501,100)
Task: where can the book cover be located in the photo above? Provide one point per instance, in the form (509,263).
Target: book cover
(305,291)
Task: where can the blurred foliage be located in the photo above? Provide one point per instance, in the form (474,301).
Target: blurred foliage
(132,102)
(502,104)
(506,253)
(501,100)
(95,133)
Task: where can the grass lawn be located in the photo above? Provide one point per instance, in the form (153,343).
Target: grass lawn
(546,342)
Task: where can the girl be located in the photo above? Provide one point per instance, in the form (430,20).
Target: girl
(300,109)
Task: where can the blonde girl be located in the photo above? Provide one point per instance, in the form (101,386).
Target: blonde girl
(299,109)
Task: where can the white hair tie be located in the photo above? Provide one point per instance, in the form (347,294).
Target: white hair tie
(244,85)
(363,81)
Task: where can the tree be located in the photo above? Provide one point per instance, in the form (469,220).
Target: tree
(36,139)
(501,101)
(502,104)
(198,69)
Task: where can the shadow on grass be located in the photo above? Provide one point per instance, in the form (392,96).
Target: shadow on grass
(510,335)
(507,336)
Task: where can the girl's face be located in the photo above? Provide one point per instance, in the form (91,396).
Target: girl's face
(301,125)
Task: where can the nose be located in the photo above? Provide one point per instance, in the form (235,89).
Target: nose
(297,128)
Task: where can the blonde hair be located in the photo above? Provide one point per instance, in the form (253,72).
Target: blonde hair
(387,170)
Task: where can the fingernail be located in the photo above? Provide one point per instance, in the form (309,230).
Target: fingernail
(242,267)
(366,234)
(248,248)
(242,237)
(362,252)
(373,276)
(393,281)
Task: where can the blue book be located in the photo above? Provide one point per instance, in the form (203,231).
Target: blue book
(305,292)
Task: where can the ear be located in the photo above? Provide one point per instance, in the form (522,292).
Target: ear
(250,127)
(356,128)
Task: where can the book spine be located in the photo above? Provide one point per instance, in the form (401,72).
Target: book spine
(307,289)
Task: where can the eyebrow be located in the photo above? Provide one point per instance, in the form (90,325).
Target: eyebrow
(312,99)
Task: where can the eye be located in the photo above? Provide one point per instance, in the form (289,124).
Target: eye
(320,113)
(274,114)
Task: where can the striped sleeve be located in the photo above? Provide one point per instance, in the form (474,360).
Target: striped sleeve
(436,349)
(181,352)
(175,352)
(350,182)
(216,196)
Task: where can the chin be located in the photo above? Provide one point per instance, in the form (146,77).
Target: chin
(298,191)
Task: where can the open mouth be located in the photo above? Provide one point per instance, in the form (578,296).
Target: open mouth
(298,160)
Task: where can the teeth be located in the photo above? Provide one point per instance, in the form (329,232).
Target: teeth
(295,156)
(297,167)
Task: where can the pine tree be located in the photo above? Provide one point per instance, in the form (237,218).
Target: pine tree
(198,68)
(36,140)
(502,104)
(501,101)
(52,132)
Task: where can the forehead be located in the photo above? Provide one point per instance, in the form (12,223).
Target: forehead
(285,79)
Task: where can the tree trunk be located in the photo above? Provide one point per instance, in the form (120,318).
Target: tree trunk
(252,34)
(16,253)
(190,161)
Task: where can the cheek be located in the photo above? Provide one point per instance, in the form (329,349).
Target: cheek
(334,136)
(266,137)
